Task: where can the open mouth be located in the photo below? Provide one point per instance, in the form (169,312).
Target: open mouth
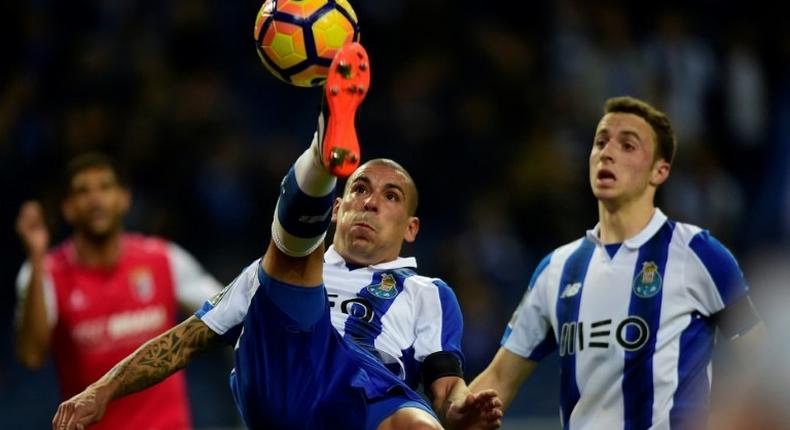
(606,175)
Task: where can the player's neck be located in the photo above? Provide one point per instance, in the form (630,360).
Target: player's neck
(620,223)
(366,259)
(95,251)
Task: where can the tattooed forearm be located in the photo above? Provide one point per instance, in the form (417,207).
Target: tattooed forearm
(161,357)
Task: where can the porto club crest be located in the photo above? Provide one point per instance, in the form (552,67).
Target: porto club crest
(648,282)
(386,289)
(142,282)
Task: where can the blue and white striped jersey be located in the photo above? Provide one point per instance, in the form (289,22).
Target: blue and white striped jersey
(634,331)
(387,309)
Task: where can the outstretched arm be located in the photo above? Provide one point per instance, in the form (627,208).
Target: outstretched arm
(458,408)
(505,374)
(32,329)
(151,363)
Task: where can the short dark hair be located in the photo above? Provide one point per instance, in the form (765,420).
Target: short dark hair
(92,160)
(659,122)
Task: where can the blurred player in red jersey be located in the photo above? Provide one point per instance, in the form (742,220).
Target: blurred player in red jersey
(102,293)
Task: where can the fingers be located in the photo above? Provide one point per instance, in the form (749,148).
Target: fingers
(30,212)
(62,415)
(69,417)
(486,395)
(490,406)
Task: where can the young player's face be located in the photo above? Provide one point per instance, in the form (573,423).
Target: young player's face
(373,216)
(96,203)
(622,166)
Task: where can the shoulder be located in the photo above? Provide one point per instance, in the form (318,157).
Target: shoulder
(703,244)
(415,280)
(429,288)
(562,252)
(685,233)
(559,255)
(142,244)
(59,259)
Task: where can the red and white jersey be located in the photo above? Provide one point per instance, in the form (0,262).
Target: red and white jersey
(101,315)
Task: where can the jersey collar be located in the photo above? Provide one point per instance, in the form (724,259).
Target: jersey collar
(333,257)
(641,238)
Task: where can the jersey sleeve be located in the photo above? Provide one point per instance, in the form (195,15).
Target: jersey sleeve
(529,333)
(224,312)
(717,286)
(439,325)
(50,302)
(193,284)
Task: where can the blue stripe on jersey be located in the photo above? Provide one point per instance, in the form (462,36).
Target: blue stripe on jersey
(452,321)
(721,265)
(538,270)
(691,396)
(545,347)
(412,367)
(207,306)
(574,271)
(363,325)
(644,308)
(229,336)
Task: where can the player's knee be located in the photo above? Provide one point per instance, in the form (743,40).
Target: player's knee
(425,425)
(411,419)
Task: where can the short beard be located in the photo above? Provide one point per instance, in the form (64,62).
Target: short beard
(101,237)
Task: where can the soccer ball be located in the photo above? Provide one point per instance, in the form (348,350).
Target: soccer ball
(297,39)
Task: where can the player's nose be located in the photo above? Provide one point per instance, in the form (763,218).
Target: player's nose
(607,152)
(371,203)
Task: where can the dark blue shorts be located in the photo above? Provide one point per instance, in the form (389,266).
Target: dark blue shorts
(291,377)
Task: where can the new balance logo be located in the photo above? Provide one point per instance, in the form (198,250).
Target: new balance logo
(307,219)
(571,290)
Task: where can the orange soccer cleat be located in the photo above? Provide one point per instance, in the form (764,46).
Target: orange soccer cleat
(346,86)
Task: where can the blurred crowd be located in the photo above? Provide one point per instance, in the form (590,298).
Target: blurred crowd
(491,108)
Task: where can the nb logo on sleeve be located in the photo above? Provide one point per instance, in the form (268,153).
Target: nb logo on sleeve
(632,333)
(571,290)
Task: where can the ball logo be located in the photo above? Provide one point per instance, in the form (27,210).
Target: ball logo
(648,282)
(386,289)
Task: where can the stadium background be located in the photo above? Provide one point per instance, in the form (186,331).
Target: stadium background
(491,108)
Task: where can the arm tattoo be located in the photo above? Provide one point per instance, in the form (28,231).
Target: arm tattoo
(162,356)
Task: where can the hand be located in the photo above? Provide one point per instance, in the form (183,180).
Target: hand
(81,410)
(32,229)
(477,411)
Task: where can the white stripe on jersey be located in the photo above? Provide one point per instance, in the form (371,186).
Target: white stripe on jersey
(621,313)
(420,317)
(227,310)
(50,301)
(423,318)
(193,284)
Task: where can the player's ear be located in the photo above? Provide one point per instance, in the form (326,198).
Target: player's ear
(660,172)
(335,208)
(412,228)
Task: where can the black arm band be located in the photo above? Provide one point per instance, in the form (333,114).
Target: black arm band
(737,318)
(438,365)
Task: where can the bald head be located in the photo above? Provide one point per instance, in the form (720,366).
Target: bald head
(411,193)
